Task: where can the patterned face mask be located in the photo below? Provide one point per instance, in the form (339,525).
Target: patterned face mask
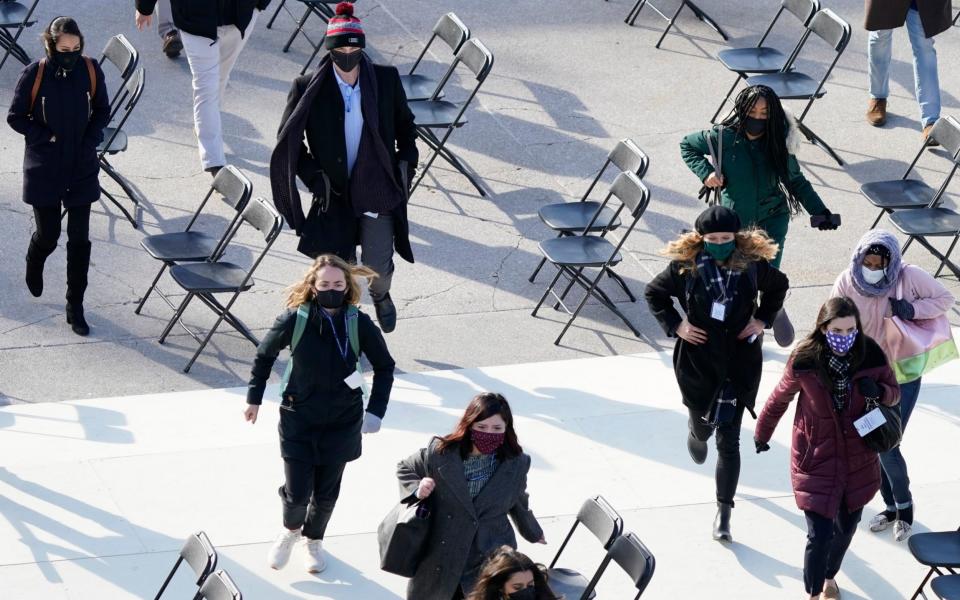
(486,443)
(840,343)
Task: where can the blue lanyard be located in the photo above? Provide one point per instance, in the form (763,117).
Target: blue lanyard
(345,346)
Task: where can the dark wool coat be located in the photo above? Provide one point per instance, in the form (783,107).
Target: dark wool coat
(829,460)
(702,369)
(891,14)
(464,530)
(320,414)
(201,17)
(67,169)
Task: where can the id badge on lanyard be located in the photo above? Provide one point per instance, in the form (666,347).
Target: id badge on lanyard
(718,311)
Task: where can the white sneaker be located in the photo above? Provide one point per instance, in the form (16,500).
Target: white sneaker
(901,530)
(279,553)
(880,522)
(313,560)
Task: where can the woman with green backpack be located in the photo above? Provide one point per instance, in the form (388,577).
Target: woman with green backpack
(322,412)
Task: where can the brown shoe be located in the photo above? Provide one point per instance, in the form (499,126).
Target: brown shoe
(877,112)
(926,136)
(172,44)
(830,591)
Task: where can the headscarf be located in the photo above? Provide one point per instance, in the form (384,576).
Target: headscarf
(885,239)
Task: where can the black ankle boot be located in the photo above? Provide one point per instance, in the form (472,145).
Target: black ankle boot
(36,257)
(78,262)
(76,320)
(721,524)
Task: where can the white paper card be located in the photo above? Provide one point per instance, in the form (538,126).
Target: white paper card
(355,380)
(372,215)
(718,311)
(869,422)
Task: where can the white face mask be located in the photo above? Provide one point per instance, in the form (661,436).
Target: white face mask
(872,277)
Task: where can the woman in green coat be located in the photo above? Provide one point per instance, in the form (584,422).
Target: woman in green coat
(760,177)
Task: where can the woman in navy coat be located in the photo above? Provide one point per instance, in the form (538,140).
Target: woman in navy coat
(61,107)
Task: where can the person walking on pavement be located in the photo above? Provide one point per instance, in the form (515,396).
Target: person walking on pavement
(760,177)
(361,159)
(836,370)
(881,286)
(213,33)
(924,19)
(171,44)
(60,106)
(322,414)
(716,273)
(476,476)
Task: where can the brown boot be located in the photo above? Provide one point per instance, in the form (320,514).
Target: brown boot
(926,136)
(877,112)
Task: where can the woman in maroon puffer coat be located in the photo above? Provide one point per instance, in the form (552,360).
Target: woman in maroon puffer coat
(834,474)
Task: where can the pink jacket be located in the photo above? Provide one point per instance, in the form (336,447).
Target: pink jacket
(927,295)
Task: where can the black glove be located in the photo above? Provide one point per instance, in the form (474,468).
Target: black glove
(827,225)
(903,309)
(869,388)
(761,446)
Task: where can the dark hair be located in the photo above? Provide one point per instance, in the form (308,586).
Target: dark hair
(775,138)
(501,565)
(56,28)
(814,348)
(483,406)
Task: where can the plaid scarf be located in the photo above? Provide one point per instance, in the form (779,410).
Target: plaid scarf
(721,282)
(839,369)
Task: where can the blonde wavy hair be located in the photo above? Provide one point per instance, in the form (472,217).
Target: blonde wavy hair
(752,245)
(305,290)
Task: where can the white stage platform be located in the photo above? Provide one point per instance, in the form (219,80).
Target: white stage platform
(96,496)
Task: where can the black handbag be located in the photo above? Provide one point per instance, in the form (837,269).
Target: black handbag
(887,436)
(402,536)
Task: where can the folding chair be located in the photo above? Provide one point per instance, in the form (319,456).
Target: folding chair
(946,587)
(204,279)
(937,550)
(760,58)
(15,15)
(569,218)
(572,254)
(903,193)
(219,586)
(440,114)
(122,55)
(115,140)
(794,85)
(696,10)
(606,525)
(635,560)
(194,246)
(451,30)
(200,554)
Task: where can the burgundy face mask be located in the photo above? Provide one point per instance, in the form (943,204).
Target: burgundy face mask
(486,443)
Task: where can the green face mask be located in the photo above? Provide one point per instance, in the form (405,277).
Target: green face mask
(722,251)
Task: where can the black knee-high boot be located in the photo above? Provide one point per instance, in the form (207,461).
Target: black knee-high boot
(78,262)
(37,254)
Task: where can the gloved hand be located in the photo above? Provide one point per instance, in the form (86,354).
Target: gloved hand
(901,308)
(761,446)
(869,388)
(826,225)
(371,423)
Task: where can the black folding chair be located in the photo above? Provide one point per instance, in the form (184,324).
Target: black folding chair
(606,525)
(446,116)
(569,218)
(451,30)
(219,586)
(189,245)
(696,10)
(635,560)
(946,587)
(760,58)
(937,550)
(115,140)
(204,279)
(200,554)
(794,85)
(904,193)
(15,15)
(573,254)
(121,54)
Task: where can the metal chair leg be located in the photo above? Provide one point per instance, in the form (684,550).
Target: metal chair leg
(206,340)
(623,284)
(816,140)
(298,30)
(670,23)
(877,221)
(176,317)
(713,119)
(707,19)
(634,12)
(275,13)
(946,259)
(143,300)
(547,291)
(316,51)
(533,276)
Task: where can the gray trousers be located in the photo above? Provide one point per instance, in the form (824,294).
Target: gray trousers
(164,17)
(376,248)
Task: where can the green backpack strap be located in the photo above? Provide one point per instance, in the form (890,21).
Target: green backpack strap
(303,315)
(353,332)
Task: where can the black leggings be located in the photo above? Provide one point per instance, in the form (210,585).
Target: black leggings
(309,495)
(827,542)
(728,451)
(48,224)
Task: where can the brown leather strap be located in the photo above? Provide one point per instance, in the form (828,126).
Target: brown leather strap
(36,83)
(93,76)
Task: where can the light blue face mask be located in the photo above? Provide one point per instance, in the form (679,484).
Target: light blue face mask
(872,277)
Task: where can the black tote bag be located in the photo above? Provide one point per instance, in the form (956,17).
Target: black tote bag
(887,436)
(402,536)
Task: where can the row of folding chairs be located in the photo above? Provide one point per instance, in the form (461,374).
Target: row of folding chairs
(200,555)
(581,238)
(939,550)
(195,258)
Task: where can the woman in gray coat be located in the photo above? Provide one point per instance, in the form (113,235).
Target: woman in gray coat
(476,476)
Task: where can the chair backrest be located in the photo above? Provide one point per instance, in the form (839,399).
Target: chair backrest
(122,55)
(451,30)
(127,99)
(631,192)
(601,519)
(219,586)
(263,217)
(477,58)
(829,27)
(200,554)
(635,560)
(946,132)
(628,157)
(802,9)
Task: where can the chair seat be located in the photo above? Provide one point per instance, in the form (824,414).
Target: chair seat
(205,277)
(752,60)
(187,246)
(12,14)
(946,587)
(568,584)
(789,86)
(435,113)
(941,548)
(574,216)
(418,87)
(928,221)
(119,143)
(898,193)
(579,251)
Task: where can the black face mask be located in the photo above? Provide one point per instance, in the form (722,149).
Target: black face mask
(346,61)
(331,298)
(66,60)
(527,593)
(755,126)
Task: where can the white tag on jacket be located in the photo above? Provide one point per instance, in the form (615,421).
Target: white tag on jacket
(869,422)
(718,311)
(355,380)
